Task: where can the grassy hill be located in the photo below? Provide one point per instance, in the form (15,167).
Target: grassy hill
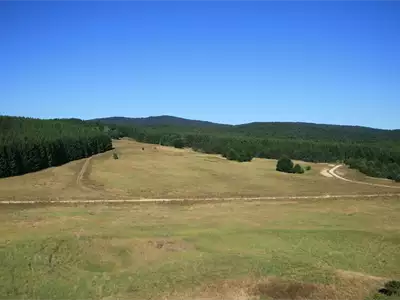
(166,172)
(284,248)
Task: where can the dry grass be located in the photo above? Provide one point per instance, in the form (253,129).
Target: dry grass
(325,249)
(321,249)
(358,176)
(165,172)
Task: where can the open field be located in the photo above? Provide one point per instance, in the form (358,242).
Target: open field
(336,248)
(319,249)
(164,172)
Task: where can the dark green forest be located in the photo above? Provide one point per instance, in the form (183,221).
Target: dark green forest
(267,130)
(375,152)
(28,145)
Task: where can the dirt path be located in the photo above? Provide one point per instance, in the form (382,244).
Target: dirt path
(332,172)
(162,200)
(328,173)
(82,173)
(325,172)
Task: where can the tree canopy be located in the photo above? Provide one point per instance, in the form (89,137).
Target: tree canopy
(298,169)
(28,145)
(285,164)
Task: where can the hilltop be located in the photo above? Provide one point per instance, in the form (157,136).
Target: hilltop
(158,120)
(284,130)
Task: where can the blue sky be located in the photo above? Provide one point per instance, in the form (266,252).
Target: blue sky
(230,62)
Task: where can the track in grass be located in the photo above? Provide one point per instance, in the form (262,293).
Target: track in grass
(332,173)
(162,200)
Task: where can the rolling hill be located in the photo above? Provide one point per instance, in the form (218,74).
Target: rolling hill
(158,120)
(281,130)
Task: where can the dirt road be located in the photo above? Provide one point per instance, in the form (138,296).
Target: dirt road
(332,172)
(162,200)
(82,172)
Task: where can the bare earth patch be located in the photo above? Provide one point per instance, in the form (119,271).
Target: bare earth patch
(325,173)
(348,287)
(171,245)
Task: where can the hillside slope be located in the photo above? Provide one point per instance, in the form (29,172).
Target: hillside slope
(157,121)
(280,130)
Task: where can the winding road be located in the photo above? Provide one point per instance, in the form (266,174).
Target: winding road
(332,172)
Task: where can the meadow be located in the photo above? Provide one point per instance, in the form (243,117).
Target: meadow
(322,248)
(308,249)
(153,171)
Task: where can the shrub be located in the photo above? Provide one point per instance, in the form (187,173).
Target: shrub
(232,154)
(115,155)
(393,286)
(245,157)
(308,168)
(298,169)
(397,178)
(284,164)
(178,143)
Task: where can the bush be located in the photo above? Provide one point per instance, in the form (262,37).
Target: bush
(115,155)
(397,178)
(393,286)
(245,157)
(284,164)
(298,169)
(308,168)
(232,154)
(178,143)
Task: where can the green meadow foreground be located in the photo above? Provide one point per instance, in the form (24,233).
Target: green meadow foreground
(309,249)
(342,248)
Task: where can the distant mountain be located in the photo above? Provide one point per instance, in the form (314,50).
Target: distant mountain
(158,120)
(280,130)
(312,131)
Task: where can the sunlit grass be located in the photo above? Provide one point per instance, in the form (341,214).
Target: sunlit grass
(153,251)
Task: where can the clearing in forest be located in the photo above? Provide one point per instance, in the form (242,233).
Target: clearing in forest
(165,172)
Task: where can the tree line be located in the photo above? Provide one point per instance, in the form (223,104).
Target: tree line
(369,158)
(269,130)
(28,145)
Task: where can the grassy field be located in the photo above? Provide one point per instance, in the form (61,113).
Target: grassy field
(164,172)
(325,249)
(303,249)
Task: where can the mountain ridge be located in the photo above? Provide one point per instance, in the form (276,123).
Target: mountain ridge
(173,120)
(280,130)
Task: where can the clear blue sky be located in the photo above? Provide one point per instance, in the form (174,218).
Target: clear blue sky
(231,62)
